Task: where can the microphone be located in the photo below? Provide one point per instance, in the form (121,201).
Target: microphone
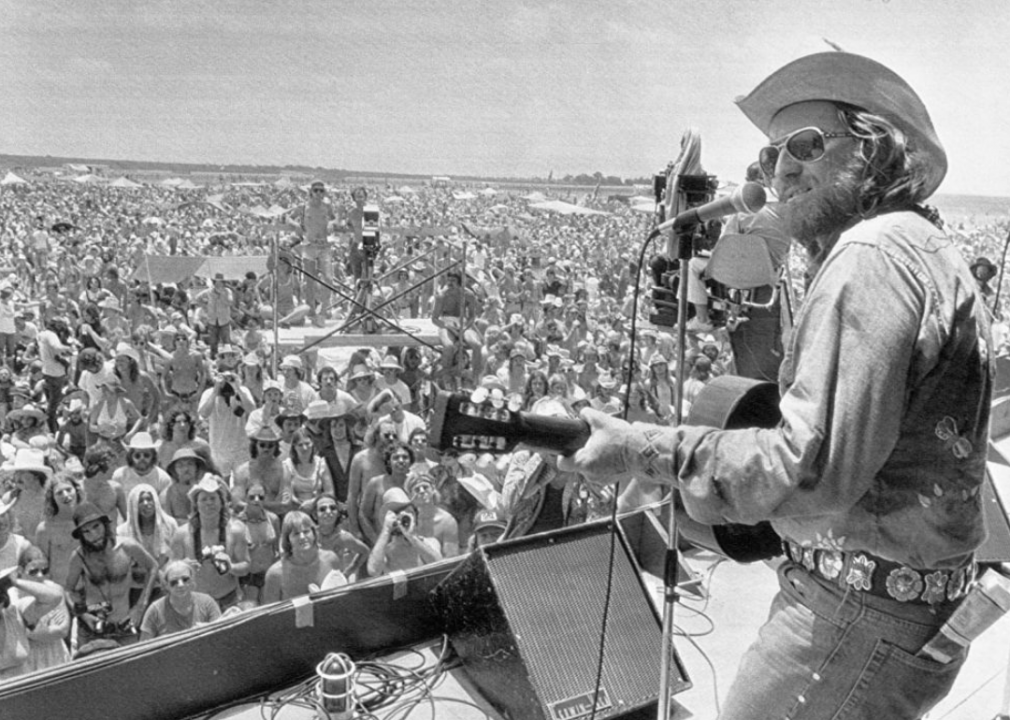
(747,198)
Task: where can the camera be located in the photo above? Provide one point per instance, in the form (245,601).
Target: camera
(405,521)
(370,231)
(221,564)
(101,612)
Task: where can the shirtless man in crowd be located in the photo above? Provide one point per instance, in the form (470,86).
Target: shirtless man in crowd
(99,580)
(266,469)
(185,374)
(313,221)
(303,567)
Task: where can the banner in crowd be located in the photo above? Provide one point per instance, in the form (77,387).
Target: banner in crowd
(175,268)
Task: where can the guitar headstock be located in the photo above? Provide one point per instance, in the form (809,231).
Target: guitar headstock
(480,422)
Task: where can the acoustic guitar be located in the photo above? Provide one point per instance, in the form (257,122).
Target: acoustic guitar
(488,422)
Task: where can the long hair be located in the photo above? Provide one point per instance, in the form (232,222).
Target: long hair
(169,423)
(164,525)
(196,530)
(300,436)
(893,175)
(51,508)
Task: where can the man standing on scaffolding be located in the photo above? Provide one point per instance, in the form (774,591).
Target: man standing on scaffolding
(454,313)
(314,220)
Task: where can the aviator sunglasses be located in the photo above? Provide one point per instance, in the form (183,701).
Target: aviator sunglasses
(805,145)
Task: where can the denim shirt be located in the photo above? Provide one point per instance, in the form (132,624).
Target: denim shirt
(885,394)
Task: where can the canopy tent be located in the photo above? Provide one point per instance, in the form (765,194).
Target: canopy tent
(76,167)
(170,182)
(565,208)
(88,179)
(535,196)
(187,185)
(488,192)
(124,183)
(175,268)
(464,196)
(12,179)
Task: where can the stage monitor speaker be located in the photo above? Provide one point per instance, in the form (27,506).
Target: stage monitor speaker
(525,616)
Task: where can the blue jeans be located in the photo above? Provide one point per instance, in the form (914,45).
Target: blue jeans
(830,653)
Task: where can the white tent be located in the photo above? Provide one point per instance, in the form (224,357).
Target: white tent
(565,208)
(87,179)
(406,190)
(12,179)
(535,196)
(186,185)
(125,183)
(488,192)
(464,196)
(170,182)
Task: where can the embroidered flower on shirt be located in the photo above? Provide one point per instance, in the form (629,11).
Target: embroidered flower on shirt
(829,541)
(860,575)
(959,445)
(936,587)
(904,584)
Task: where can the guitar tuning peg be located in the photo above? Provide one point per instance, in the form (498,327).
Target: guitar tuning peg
(515,403)
(497,398)
(479,395)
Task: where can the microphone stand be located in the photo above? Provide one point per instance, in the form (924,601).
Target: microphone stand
(683,252)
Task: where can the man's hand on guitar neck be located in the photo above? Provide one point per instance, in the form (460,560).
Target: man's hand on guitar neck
(618,450)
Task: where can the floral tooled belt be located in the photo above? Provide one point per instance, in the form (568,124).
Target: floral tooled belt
(864,572)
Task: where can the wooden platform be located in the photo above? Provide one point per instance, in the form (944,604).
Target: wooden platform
(296,338)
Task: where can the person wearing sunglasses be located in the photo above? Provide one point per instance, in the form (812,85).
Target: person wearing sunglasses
(182,608)
(142,465)
(30,601)
(330,516)
(872,480)
(263,529)
(265,468)
(48,624)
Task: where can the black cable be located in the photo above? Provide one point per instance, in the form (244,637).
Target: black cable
(613,513)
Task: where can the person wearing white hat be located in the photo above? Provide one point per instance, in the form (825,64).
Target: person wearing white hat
(215,541)
(389,377)
(872,479)
(142,465)
(296,390)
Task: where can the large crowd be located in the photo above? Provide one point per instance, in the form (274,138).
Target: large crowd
(160,471)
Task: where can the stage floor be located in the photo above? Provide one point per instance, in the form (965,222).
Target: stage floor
(712,633)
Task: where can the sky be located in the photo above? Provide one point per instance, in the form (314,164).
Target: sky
(503,88)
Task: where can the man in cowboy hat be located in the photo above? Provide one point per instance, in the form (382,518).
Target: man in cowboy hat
(983,271)
(266,468)
(873,478)
(142,465)
(100,577)
(389,378)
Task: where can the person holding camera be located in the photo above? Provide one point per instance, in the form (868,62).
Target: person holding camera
(217,542)
(399,545)
(226,407)
(99,581)
(22,611)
